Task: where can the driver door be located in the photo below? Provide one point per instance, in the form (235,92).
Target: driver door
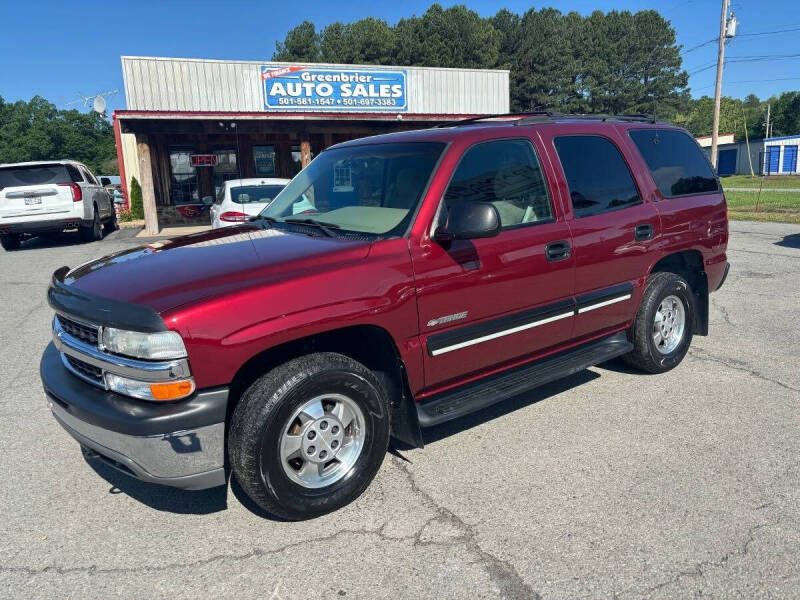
(487,303)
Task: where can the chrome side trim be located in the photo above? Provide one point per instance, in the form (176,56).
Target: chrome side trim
(505,332)
(141,370)
(604,303)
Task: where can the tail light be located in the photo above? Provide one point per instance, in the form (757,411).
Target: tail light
(232,216)
(77,192)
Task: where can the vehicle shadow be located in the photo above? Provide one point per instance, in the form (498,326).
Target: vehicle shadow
(439,432)
(790,241)
(159,497)
(73,238)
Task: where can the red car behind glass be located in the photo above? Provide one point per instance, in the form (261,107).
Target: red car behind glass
(429,274)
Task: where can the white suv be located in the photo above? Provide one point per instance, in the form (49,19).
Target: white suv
(52,196)
(240,199)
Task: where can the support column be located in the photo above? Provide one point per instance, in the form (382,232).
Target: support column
(148,189)
(305,151)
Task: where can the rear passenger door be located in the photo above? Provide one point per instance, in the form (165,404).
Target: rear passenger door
(484,303)
(96,193)
(613,228)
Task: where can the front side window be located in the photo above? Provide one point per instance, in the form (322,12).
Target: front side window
(507,174)
(372,189)
(675,161)
(597,176)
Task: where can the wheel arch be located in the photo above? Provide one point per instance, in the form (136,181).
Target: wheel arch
(371,345)
(689,265)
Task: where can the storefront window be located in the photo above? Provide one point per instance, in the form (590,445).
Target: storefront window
(226,169)
(296,162)
(264,161)
(183,177)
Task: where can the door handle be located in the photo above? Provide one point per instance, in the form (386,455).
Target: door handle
(642,232)
(555,251)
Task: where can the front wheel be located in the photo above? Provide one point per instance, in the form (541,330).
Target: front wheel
(308,437)
(662,330)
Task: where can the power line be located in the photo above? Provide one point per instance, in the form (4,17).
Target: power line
(777,31)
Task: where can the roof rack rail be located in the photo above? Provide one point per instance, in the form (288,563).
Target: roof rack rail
(529,118)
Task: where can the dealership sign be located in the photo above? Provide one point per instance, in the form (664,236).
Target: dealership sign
(328,89)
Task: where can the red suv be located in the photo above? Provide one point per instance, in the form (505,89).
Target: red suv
(397,282)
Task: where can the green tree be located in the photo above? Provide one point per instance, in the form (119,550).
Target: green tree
(300,45)
(136,202)
(786,110)
(37,130)
(368,41)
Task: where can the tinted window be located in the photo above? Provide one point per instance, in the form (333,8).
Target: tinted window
(33,175)
(675,161)
(74,174)
(598,177)
(507,174)
(89,177)
(248,194)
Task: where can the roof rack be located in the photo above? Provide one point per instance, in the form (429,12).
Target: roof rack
(530,118)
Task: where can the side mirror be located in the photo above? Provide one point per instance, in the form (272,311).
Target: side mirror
(207,200)
(104,181)
(470,220)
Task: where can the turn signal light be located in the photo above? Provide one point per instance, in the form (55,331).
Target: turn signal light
(77,192)
(174,390)
(232,216)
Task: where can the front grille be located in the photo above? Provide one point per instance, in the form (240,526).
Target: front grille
(80,331)
(89,371)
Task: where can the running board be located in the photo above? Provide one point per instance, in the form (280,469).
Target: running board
(475,396)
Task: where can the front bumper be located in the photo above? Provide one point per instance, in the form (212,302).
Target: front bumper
(180,444)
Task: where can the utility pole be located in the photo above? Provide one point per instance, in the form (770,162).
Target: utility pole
(723,22)
(767,123)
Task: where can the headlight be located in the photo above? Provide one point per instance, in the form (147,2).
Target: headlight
(162,391)
(151,346)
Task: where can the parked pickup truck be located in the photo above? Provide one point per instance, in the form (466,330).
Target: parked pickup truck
(50,197)
(429,274)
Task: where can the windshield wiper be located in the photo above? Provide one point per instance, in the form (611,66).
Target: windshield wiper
(269,220)
(324,227)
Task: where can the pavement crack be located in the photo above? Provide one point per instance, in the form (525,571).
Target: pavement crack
(731,363)
(722,310)
(502,573)
(699,569)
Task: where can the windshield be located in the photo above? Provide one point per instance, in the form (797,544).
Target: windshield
(367,189)
(251,194)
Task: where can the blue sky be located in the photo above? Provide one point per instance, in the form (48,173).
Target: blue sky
(57,49)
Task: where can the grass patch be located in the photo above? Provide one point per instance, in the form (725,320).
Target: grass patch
(773,181)
(782,207)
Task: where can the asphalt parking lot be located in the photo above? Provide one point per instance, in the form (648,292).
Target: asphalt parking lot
(610,484)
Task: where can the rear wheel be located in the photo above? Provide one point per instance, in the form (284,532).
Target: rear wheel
(308,437)
(662,331)
(93,232)
(10,241)
(112,224)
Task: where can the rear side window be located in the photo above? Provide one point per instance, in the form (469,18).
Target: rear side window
(675,161)
(598,177)
(507,174)
(74,174)
(89,177)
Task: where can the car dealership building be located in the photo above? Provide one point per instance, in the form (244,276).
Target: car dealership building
(192,124)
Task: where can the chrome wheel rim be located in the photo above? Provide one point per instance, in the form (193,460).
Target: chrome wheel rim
(322,440)
(669,324)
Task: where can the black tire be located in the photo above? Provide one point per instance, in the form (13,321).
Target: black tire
(263,412)
(94,232)
(111,225)
(10,241)
(645,355)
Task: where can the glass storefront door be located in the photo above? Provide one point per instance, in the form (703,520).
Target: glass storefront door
(183,177)
(227,167)
(264,161)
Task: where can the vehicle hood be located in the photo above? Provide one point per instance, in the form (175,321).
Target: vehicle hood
(166,274)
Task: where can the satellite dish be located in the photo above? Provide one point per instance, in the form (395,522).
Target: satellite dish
(99,104)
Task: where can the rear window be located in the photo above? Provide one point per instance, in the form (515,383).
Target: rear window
(676,162)
(33,175)
(250,194)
